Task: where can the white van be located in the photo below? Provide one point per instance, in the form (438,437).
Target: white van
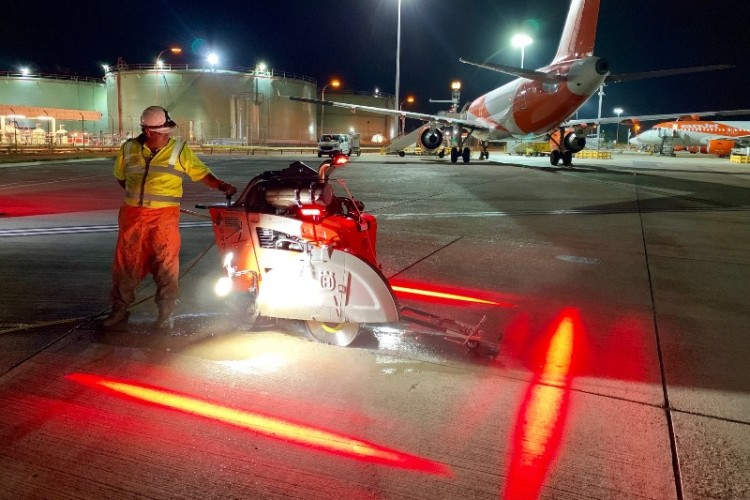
(331,144)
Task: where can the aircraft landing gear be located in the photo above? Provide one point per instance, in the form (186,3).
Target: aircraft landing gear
(554,157)
(459,149)
(567,158)
(484,154)
(558,150)
(465,155)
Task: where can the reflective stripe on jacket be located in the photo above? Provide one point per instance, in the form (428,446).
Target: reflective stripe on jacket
(155,180)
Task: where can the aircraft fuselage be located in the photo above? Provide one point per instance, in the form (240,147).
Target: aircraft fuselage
(524,108)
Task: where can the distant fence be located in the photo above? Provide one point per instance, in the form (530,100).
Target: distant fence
(211,149)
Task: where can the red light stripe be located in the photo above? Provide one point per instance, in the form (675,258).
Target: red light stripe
(444,295)
(541,418)
(268,426)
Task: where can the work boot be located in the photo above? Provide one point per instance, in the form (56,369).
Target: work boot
(118,315)
(164,321)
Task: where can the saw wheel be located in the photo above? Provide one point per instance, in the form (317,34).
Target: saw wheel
(341,334)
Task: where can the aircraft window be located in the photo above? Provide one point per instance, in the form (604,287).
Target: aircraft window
(550,88)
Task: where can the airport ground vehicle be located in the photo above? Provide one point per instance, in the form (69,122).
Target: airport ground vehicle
(292,249)
(333,144)
(356,144)
(538,148)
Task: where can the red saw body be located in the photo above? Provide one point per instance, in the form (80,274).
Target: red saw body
(293,249)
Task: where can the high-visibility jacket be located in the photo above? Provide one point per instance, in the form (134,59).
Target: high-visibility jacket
(154,180)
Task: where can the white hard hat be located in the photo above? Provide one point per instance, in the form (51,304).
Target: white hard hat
(157,119)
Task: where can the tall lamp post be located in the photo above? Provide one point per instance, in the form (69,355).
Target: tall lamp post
(159,64)
(335,84)
(521,40)
(618,112)
(410,100)
(398,51)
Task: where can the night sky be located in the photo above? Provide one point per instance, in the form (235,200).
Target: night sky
(355,40)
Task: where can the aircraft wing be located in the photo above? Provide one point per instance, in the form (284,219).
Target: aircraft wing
(645,118)
(443,119)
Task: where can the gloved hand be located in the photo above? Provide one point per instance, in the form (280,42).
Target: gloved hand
(227,188)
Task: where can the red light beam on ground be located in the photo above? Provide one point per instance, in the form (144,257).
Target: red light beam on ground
(540,422)
(265,425)
(445,295)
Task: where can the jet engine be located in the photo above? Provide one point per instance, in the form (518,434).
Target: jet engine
(429,138)
(573,142)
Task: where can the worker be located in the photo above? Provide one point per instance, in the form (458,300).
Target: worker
(151,168)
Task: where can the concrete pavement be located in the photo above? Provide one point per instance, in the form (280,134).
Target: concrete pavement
(622,336)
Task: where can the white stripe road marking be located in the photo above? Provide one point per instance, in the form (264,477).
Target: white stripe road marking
(581,211)
(46,231)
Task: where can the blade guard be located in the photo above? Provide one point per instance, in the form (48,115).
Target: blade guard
(327,285)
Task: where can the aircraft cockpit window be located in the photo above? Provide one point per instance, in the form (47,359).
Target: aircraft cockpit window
(550,88)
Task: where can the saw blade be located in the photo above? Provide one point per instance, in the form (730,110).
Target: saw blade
(341,334)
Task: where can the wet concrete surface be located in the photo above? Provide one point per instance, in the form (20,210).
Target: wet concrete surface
(615,361)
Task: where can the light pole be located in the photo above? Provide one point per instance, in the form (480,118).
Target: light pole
(335,84)
(398,50)
(618,112)
(521,40)
(599,117)
(159,64)
(212,59)
(410,100)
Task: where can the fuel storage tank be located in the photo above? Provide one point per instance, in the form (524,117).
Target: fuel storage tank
(248,107)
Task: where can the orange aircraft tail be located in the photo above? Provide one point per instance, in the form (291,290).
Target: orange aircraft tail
(580,31)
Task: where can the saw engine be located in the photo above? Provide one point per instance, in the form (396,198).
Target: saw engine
(292,249)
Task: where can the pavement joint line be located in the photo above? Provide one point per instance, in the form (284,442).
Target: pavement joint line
(425,257)
(676,467)
(710,417)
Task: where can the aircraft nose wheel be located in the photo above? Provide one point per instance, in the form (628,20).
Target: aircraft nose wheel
(454,154)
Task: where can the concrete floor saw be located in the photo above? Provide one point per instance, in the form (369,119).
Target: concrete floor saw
(292,249)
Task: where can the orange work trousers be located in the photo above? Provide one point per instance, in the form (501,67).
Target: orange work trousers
(148,242)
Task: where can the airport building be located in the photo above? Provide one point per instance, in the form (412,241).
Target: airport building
(210,105)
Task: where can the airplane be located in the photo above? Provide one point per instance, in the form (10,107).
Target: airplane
(695,135)
(538,103)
